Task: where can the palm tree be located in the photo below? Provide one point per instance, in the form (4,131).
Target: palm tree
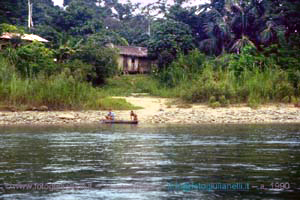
(271,33)
(67,47)
(231,25)
(216,27)
(239,44)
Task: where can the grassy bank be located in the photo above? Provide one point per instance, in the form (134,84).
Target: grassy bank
(222,87)
(215,87)
(231,79)
(191,78)
(128,84)
(57,92)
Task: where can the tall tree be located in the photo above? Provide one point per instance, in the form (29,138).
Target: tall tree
(169,38)
(13,11)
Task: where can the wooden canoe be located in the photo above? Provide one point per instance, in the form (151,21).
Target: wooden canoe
(119,122)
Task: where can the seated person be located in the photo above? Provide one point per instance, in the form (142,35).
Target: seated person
(133,116)
(110,115)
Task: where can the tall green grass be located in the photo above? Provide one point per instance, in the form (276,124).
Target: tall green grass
(252,86)
(194,78)
(245,78)
(57,92)
(128,84)
(116,104)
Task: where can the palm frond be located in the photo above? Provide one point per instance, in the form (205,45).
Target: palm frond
(266,35)
(272,32)
(241,43)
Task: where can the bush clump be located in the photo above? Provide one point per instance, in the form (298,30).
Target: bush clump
(215,104)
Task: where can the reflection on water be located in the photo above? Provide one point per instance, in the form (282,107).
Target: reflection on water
(136,162)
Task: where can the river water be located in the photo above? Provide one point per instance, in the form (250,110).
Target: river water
(206,162)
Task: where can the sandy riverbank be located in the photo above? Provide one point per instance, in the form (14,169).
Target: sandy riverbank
(156,111)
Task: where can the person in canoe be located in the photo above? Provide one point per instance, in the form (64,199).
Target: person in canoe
(110,115)
(133,116)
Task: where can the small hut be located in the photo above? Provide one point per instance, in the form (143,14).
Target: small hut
(134,59)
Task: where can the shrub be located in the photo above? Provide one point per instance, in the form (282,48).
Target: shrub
(283,90)
(103,61)
(32,59)
(78,69)
(215,104)
(224,102)
(212,99)
(183,69)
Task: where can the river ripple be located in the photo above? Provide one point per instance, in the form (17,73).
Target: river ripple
(151,162)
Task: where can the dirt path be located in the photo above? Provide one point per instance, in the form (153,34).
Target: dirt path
(157,111)
(151,105)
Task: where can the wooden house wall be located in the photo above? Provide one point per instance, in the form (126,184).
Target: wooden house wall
(130,64)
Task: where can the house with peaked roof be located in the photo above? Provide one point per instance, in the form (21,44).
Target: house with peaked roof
(133,59)
(6,37)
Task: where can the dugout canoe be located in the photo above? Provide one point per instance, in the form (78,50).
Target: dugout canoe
(119,122)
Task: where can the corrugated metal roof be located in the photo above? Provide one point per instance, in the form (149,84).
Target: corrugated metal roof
(29,37)
(133,51)
(32,37)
